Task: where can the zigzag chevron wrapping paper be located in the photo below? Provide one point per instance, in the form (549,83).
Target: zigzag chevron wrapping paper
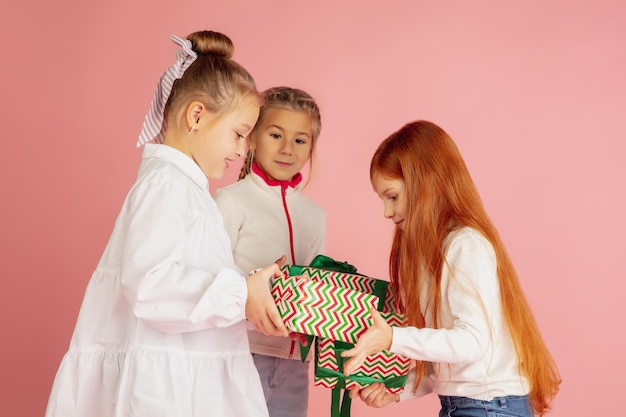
(319,308)
(326,314)
(354,282)
(386,367)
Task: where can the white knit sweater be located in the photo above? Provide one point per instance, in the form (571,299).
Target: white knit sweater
(472,352)
(255,220)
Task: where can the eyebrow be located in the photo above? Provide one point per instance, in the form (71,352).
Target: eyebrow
(282,129)
(384,192)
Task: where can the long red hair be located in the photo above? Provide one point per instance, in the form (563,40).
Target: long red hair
(441,196)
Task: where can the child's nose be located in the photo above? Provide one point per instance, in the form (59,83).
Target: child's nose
(388,212)
(287,147)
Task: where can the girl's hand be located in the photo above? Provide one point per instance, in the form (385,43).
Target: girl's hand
(374,395)
(281,261)
(261,309)
(376,338)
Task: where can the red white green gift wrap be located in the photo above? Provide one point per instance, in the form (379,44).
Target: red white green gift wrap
(320,308)
(386,367)
(335,307)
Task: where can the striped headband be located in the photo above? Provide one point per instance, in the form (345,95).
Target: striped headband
(154,125)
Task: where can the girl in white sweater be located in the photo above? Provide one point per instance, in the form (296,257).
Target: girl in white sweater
(266,217)
(468,324)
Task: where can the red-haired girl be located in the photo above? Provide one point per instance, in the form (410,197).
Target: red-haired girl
(468,324)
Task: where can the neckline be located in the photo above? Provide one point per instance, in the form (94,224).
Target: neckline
(283,184)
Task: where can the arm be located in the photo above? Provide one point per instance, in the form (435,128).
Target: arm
(468,307)
(261,309)
(161,288)
(468,301)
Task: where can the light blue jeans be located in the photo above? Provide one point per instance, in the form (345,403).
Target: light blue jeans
(509,406)
(285,385)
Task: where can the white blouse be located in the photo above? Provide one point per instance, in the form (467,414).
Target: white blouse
(161,330)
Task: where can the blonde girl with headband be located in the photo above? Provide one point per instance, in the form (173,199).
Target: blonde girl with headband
(266,215)
(469,326)
(162,328)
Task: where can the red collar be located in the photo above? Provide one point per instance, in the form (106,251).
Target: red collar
(283,184)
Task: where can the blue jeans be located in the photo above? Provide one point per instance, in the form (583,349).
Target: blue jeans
(509,406)
(285,385)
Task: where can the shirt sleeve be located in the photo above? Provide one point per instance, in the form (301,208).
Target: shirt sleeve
(162,289)
(469,295)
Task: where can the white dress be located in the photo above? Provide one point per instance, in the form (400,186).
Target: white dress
(161,330)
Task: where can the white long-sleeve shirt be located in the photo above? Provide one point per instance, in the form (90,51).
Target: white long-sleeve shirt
(257,224)
(472,352)
(161,330)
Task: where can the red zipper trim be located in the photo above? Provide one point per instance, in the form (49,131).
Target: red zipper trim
(283,192)
(293,347)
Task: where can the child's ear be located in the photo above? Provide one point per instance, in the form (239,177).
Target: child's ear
(194,111)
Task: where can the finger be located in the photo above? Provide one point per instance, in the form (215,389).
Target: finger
(270,327)
(353,364)
(350,352)
(281,261)
(355,393)
(371,395)
(260,326)
(302,277)
(369,391)
(375,315)
(277,272)
(276,321)
(379,396)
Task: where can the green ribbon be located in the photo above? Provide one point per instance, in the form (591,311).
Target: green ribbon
(329,264)
(341,407)
(325,262)
(391,382)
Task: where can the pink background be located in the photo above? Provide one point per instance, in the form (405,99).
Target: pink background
(534,93)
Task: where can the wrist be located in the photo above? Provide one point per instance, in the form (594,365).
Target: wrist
(390,338)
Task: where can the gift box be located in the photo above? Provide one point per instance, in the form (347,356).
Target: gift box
(327,276)
(321,308)
(348,280)
(386,367)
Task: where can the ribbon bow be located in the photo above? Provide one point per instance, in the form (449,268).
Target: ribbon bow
(154,125)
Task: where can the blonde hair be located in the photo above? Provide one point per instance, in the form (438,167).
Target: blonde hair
(290,99)
(438,181)
(213,79)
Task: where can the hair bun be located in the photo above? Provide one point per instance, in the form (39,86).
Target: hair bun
(216,44)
